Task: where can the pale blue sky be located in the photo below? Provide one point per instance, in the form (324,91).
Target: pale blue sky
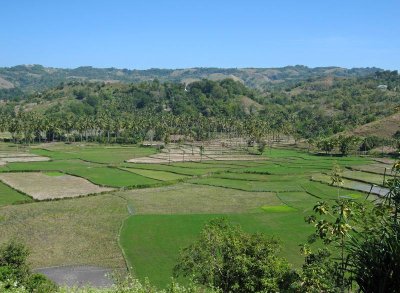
(179,34)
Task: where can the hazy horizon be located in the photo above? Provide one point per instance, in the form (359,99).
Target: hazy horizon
(186,68)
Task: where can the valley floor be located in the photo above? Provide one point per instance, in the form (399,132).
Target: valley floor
(140,215)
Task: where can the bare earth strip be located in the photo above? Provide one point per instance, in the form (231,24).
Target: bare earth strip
(79,276)
(7,157)
(41,186)
(23,159)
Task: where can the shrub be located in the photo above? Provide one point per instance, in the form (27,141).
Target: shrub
(227,258)
(40,283)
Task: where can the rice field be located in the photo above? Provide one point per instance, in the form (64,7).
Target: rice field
(187,198)
(157,174)
(11,196)
(152,250)
(67,232)
(153,210)
(42,186)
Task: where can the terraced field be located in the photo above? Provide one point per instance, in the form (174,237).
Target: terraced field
(156,209)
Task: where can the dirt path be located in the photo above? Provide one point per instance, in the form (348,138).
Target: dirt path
(79,276)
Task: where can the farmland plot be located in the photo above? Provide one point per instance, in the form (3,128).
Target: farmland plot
(42,186)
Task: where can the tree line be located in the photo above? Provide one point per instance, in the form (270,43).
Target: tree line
(31,127)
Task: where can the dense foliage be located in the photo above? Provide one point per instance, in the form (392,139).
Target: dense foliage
(364,239)
(310,109)
(15,273)
(231,260)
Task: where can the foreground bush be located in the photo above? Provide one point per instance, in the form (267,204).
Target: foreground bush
(227,258)
(129,285)
(15,274)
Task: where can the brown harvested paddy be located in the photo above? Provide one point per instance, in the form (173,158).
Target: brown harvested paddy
(23,159)
(196,199)
(176,153)
(178,158)
(42,186)
(387,161)
(377,168)
(80,231)
(13,157)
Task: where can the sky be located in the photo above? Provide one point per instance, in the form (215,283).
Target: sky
(181,34)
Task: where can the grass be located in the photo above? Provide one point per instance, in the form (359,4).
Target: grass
(278,209)
(174,169)
(152,242)
(365,177)
(325,191)
(350,184)
(40,186)
(67,232)
(96,173)
(284,169)
(271,186)
(271,178)
(10,196)
(157,175)
(114,177)
(199,199)
(169,219)
(270,196)
(93,152)
(62,165)
(374,168)
(301,201)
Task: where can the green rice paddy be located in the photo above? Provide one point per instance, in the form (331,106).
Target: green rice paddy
(166,205)
(278,209)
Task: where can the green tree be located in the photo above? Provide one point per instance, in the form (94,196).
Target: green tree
(227,258)
(336,176)
(318,273)
(326,145)
(333,225)
(15,271)
(13,257)
(374,252)
(345,144)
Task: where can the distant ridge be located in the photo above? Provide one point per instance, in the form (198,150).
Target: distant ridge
(29,78)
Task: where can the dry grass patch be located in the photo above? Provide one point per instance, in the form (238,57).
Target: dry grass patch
(24,159)
(42,186)
(219,150)
(12,157)
(67,232)
(384,127)
(196,199)
(377,168)
(179,158)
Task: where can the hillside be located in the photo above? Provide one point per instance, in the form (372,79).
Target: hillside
(206,97)
(384,128)
(312,108)
(14,81)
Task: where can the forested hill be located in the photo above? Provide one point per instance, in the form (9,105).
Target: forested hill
(15,81)
(205,97)
(317,107)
